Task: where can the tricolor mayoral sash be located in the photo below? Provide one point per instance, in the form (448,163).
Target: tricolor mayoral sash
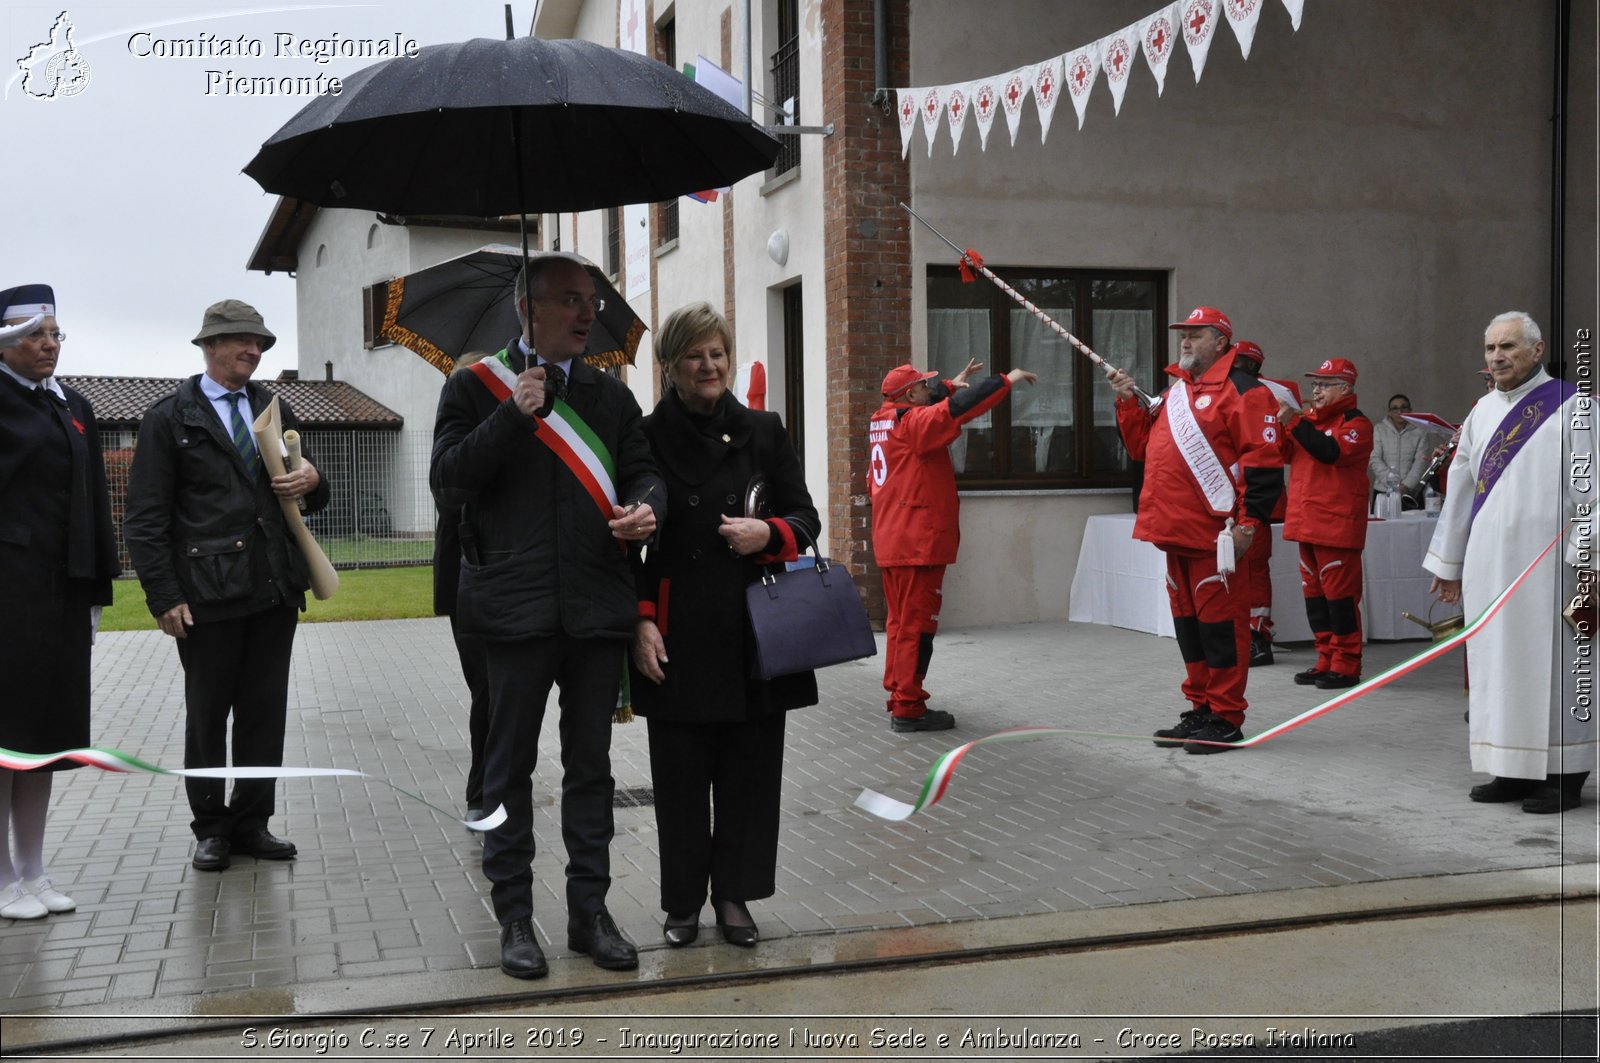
(564,432)
(1213,479)
(1514,431)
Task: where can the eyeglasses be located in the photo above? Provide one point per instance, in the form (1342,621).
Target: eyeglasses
(1398,409)
(572,302)
(40,335)
(1315,384)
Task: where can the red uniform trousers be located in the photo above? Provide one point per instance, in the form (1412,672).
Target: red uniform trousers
(913,594)
(1255,568)
(1330,578)
(1210,616)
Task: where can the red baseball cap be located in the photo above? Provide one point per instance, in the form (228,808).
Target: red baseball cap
(1204,317)
(1251,350)
(1335,369)
(902,377)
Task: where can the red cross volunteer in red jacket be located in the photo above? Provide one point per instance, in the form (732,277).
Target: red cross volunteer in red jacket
(916,526)
(1215,427)
(1327,447)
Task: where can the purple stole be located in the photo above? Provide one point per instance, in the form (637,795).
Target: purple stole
(1515,429)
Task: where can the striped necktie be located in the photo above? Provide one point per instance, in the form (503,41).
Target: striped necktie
(242,438)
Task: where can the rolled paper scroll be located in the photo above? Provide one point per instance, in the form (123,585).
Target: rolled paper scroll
(271,441)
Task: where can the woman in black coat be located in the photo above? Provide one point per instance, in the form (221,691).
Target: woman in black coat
(716,734)
(57,559)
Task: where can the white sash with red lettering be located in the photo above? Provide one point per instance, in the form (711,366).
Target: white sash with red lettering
(1204,465)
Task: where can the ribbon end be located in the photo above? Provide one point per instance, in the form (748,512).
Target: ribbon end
(884,807)
(489,822)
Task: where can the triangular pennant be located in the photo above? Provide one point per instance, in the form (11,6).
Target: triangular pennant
(1243,16)
(984,101)
(1157,34)
(1116,58)
(907,104)
(1198,21)
(1296,9)
(1082,66)
(1013,90)
(932,108)
(1046,91)
(957,102)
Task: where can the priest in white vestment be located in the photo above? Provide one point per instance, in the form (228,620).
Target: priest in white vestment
(1526,450)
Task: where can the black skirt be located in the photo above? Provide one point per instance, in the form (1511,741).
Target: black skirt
(44,660)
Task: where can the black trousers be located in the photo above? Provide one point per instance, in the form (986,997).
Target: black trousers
(238,667)
(475,669)
(520,674)
(717,787)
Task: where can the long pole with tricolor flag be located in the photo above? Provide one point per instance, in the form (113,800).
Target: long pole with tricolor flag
(971,260)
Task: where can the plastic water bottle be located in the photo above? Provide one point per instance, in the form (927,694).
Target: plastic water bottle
(1432,501)
(1392,505)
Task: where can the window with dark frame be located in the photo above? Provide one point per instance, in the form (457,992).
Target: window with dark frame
(1062,431)
(613,242)
(667,210)
(374,300)
(786,84)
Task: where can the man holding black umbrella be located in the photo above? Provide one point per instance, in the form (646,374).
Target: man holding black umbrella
(535,449)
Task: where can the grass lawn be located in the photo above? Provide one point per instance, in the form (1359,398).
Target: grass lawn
(364,594)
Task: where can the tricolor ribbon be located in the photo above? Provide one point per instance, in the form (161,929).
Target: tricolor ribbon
(118,761)
(937,782)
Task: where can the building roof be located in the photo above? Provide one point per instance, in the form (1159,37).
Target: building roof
(278,247)
(120,401)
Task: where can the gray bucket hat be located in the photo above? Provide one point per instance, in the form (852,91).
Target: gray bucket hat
(234,316)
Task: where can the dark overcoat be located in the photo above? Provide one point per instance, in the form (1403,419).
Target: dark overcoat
(694,578)
(57,559)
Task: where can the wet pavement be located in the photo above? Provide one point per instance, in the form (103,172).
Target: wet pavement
(386,907)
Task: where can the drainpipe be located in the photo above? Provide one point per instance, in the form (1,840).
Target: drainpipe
(1556,341)
(880,52)
(747,63)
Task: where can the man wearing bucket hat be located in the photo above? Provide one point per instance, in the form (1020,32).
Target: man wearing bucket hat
(1213,418)
(916,527)
(222,575)
(1327,446)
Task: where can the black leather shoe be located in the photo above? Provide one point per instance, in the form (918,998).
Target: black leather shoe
(520,954)
(602,942)
(1550,799)
(1188,723)
(1501,789)
(1309,677)
(681,930)
(1260,650)
(264,845)
(212,854)
(742,930)
(1216,730)
(1336,681)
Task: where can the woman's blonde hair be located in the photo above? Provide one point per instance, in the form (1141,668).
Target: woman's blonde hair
(685,327)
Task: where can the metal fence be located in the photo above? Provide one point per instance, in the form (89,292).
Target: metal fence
(380,512)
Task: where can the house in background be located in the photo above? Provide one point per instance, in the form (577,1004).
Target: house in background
(341,262)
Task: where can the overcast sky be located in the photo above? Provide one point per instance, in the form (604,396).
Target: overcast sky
(128,197)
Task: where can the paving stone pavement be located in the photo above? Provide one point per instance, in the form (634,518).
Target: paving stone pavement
(386,886)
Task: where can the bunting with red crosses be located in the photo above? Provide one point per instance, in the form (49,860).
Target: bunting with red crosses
(1075,72)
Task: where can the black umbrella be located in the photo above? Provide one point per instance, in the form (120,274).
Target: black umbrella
(488,128)
(466,304)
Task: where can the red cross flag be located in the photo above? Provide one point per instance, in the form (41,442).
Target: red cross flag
(1012,93)
(1116,58)
(1243,16)
(1046,91)
(1198,21)
(932,109)
(1083,66)
(957,102)
(906,107)
(1156,35)
(984,101)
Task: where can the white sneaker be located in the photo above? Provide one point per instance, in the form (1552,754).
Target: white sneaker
(54,900)
(17,903)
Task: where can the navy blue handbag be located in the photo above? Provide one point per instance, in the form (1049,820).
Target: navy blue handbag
(806,618)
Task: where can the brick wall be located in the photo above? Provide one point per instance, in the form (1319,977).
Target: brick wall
(867,252)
